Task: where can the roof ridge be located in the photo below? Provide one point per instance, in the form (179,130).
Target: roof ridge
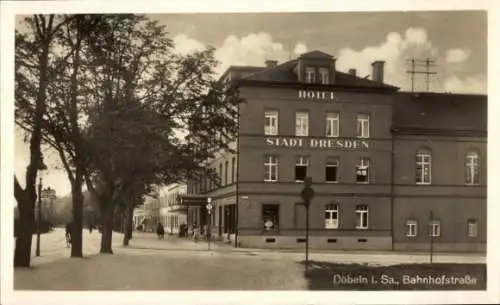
(266,70)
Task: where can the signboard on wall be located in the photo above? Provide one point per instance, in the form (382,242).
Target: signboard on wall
(317,95)
(328,143)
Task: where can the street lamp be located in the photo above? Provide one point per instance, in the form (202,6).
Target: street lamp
(209,209)
(41,168)
(307,195)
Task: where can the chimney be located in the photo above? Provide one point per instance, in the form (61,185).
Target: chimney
(333,70)
(352,72)
(271,63)
(378,71)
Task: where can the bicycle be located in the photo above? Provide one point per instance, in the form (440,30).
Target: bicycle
(68,240)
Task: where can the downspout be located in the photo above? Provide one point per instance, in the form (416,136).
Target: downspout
(237,180)
(392,189)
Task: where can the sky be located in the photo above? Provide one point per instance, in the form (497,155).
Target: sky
(455,40)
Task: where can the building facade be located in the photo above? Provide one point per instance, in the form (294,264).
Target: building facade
(172,213)
(391,170)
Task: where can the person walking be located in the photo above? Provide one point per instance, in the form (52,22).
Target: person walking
(160,231)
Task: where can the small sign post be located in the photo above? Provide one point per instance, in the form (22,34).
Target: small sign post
(307,195)
(209,231)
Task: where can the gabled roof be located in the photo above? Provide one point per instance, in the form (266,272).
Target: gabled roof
(440,111)
(316,54)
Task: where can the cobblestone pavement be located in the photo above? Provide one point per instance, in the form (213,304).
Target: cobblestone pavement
(179,264)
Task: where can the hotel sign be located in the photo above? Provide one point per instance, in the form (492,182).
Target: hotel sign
(317,95)
(353,144)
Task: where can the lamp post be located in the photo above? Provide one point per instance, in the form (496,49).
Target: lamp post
(209,231)
(307,195)
(39,217)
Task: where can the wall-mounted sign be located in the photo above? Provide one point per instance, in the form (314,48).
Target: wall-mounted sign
(317,95)
(318,143)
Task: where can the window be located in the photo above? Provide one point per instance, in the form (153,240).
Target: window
(472,228)
(325,75)
(233,170)
(332,125)
(331,216)
(301,164)
(411,226)
(310,75)
(270,216)
(331,170)
(220,173)
(271,168)
(271,123)
(363,127)
(423,167)
(226,176)
(362,216)
(362,170)
(435,228)
(472,168)
(301,124)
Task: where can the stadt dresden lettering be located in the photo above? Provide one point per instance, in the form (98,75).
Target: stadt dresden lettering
(318,143)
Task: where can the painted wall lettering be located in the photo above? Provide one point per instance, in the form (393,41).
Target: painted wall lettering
(348,144)
(317,95)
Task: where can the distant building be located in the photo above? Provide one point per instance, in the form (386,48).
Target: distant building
(392,170)
(139,216)
(172,212)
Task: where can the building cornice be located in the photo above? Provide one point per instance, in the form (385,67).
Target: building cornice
(297,85)
(418,131)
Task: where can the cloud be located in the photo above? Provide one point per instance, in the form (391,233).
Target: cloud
(185,45)
(396,50)
(471,84)
(457,55)
(300,48)
(252,50)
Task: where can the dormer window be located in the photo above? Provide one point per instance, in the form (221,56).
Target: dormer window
(324,74)
(310,75)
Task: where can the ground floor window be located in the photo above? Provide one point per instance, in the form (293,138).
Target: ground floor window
(472,228)
(270,216)
(435,228)
(411,228)
(331,216)
(362,216)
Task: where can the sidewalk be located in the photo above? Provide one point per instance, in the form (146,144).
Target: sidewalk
(149,241)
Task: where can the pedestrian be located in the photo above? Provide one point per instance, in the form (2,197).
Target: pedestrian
(160,231)
(193,232)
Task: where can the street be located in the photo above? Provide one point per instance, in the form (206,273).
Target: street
(178,264)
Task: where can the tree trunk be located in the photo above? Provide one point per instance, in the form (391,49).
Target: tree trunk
(26,198)
(128,225)
(77,196)
(107,230)
(22,254)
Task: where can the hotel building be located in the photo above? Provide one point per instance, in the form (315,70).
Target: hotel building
(391,170)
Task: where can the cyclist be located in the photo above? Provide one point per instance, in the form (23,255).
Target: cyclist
(68,234)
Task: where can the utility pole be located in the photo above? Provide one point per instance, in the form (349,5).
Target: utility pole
(419,63)
(39,220)
(431,235)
